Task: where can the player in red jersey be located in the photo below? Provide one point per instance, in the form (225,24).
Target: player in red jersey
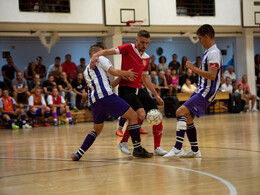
(135,58)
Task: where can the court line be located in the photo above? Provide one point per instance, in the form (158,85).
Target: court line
(231,188)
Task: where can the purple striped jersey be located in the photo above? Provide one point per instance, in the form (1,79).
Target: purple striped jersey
(98,81)
(206,87)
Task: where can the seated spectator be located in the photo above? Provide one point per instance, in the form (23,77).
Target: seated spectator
(58,107)
(244,98)
(162,66)
(230,73)
(246,92)
(69,68)
(11,110)
(152,65)
(55,69)
(82,65)
(20,88)
(38,107)
(227,87)
(174,64)
(164,90)
(154,79)
(40,69)
(8,72)
(182,69)
(198,61)
(187,87)
(30,71)
(168,77)
(65,89)
(258,84)
(36,83)
(257,64)
(79,86)
(49,85)
(189,75)
(175,81)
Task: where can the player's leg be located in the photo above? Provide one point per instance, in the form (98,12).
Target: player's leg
(45,111)
(72,101)
(20,111)
(9,120)
(55,111)
(68,114)
(32,112)
(121,124)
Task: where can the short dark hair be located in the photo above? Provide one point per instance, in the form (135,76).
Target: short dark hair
(82,59)
(143,33)
(39,57)
(57,58)
(160,59)
(206,29)
(94,48)
(67,55)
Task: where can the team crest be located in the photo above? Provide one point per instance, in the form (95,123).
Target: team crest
(144,62)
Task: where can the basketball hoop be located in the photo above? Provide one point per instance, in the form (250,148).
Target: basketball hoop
(135,25)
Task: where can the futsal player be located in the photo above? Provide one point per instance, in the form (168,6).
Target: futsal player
(134,57)
(104,101)
(208,84)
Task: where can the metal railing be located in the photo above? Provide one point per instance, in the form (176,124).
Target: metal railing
(57,6)
(195,7)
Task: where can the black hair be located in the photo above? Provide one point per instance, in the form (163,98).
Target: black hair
(160,59)
(206,29)
(57,58)
(143,33)
(82,59)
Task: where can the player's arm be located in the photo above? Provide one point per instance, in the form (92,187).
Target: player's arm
(104,52)
(122,73)
(210,74)
(115,82)
(147,82)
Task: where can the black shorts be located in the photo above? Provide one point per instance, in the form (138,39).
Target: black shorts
(137,98)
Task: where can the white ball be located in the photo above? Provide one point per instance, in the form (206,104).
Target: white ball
(154,117)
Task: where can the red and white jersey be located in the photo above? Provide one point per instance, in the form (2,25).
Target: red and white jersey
(132,59)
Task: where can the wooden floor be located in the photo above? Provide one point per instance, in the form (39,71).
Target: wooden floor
(38,161)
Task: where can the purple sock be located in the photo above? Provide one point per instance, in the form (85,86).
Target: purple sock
(180,131)
(68,114)
(10,121)
(121,122)
(192,136)
(134,131)
(46,115)
(54,115)
(89,140)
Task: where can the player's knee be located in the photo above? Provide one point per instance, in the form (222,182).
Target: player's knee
(141,115)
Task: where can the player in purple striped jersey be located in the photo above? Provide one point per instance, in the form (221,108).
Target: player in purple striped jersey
(104,101)
(208,84)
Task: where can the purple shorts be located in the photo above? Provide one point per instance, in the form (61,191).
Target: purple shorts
(197,105)
(112,105)
(38,112)
(10,115)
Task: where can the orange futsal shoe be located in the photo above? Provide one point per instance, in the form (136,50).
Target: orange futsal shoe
(119,133)
(46,124)
(143,131)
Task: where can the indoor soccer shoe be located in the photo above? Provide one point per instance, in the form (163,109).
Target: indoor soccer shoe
(15,126)
(119,133)
(26,126)
(56,123)
(191,154)
(174,152)
(75,157)
(143,131)
(46,124)
(159,152)
(35,125)
(142,154)
(124,148)
(72,122)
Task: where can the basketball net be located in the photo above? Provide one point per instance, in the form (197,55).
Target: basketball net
(53,39)
(134,25)
(193,39)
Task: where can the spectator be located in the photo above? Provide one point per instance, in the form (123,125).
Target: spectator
(257,64)
(163,84)
(11,110)
(154,78)
(244,98)
(8,72)
(40,69)
(189,75)
(162,66)
(230,73)
(82,65)
(258,84)
(49,85)
(35,84)
(153,66)
(69,68)
(198,61)
(38,107)
(30,71)
(65,89)
(168,77)
(175,81)
(20,88)
(174,64)
(55,69)
(182,69)
(188,87)
(2,86)
(58,107)
(227,86)
(79,86)
(246,92)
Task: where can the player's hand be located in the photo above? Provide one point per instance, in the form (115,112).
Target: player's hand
(93,61)
(159,100)
(38,83)
(53,83)
(11,112)
(132,75)
(189,65)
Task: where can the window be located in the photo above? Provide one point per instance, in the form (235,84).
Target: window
(195,7)
(58,6)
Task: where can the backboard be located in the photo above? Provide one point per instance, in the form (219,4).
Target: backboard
(119,12)
(251,13)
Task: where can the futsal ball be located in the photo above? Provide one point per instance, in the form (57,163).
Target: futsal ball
(154,117)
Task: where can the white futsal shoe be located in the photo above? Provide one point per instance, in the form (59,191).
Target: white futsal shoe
(26,126)
(159,152)
(124,148)
(174,152)
(191,154)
